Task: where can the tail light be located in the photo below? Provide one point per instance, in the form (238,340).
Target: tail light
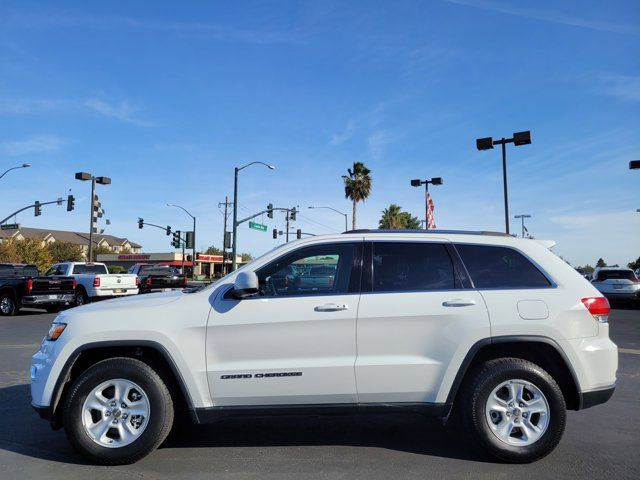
(148,281)
(74,284)
(96,282)
(29,285)
(184,280)
(598,307)
(137,281)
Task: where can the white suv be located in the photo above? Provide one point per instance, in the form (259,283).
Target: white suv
(497,330)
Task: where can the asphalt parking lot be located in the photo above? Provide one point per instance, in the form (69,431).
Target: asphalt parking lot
(602,442)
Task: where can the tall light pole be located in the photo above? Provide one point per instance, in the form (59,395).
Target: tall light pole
(346,221)
(24,165)
(416,183)
(84,176)
(234,248)
(522,217)
(487,143)
(193,257)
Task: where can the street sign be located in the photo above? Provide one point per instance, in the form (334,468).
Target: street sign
(12,226)
(258,226)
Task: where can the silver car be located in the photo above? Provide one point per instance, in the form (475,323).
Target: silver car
(617,284)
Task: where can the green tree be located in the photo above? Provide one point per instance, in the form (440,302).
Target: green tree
(634,265)
(65,252)
(394,218)
(9,252)
(391,218)
(246,257)
(32,251)
(99,250)
(357,186)
(601,263)
(213,250)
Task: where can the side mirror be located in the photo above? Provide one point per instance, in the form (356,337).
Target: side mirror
(245,285)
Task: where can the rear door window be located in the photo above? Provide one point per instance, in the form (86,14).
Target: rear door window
(89,269)
(500,267)
(418,266)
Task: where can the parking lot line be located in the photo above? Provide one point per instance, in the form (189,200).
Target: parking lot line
(632,351)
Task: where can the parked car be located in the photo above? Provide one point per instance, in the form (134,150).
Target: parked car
(95,282)
(618,284)
(22,286)
(157,278)
(493,331)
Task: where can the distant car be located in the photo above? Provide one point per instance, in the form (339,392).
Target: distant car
(617,284)
(95,282)
(157,278)
(22,286)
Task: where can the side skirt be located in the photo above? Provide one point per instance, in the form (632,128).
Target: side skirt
(213,414)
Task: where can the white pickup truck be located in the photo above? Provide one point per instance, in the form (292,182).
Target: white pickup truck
(94,281)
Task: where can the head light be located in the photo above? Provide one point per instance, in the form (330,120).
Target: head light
(55,331)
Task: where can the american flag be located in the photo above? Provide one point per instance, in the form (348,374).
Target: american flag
(431,221)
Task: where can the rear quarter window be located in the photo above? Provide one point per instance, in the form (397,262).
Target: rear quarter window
(500,267)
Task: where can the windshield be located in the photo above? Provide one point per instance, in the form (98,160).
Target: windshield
(617,275)
(158,270)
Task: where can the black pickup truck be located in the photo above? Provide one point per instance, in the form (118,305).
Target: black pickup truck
(22,286)
(157,278)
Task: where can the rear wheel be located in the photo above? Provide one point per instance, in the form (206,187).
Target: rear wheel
(514,409)
(7,304)
(81,298)
(118,411)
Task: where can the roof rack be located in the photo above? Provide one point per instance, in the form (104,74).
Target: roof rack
(417,231)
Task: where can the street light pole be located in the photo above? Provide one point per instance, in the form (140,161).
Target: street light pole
(487,143)
(24,165)
(234,248)
(522,217)
(193,247)
(84,176)
(346,220)
(416,183)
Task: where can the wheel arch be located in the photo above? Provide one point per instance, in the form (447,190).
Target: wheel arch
(150,352)
(542,351)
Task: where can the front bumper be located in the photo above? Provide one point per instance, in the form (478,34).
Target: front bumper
(61,298)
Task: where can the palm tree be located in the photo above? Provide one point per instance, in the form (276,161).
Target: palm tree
(391,218)
(357,186)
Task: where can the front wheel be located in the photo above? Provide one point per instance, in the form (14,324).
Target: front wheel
(118,411)
(514,409)
(7,304)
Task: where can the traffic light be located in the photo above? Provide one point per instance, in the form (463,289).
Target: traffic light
(168,230)
(71,203)
(270,211)
(140,223)
(298,234)
(292,216)
(190,239)
(36,209)
(175,243)
(275,233)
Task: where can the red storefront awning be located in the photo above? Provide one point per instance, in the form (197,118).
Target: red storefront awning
(177,263)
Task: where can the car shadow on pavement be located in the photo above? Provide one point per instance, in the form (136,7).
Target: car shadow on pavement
(23,432)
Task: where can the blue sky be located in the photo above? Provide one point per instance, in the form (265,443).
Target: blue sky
(167,97)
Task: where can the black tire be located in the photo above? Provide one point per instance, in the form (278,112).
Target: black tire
(81,298)
(159,422)
(480,384)
(53,308)
(8,305)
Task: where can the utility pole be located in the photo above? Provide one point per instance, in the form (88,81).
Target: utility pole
(224,232)
(287,230)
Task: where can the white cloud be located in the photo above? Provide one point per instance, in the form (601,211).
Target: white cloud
(346,134)
(378,140)
(551,16)
(31,145)
(623,87)
(121,111)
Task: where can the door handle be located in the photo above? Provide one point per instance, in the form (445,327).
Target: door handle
(459,302)
(331,307)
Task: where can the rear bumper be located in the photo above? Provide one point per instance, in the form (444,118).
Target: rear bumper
(110,292)
(595,397)
(46,300)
